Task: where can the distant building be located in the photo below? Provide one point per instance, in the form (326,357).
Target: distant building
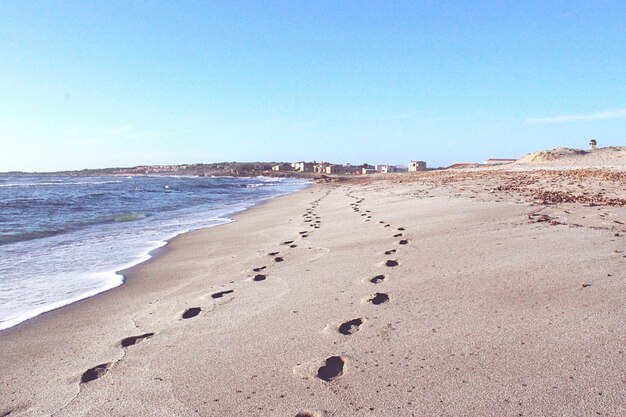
(320,168)
(384,169)
(359,169)
(499,161)
(302,166)
(331,169)
(262,166)
(368,171)
(415,166)
(282,167)
(338,169)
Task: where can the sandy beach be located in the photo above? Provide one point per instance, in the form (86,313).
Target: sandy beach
(313,209)
(469,293)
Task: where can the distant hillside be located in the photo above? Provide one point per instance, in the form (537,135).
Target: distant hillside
(223,168)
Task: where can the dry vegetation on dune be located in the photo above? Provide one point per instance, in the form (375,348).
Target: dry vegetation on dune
(586,186)
(562,175)
(585,197)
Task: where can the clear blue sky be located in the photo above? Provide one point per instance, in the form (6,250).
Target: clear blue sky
(86,84)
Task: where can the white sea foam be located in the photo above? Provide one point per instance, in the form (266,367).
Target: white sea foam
(43,274)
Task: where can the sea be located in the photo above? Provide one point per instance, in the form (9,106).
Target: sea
(64,238)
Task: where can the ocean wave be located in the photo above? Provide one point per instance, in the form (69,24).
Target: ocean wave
(271,179)
(55,183)
(129,217)
(9,238)
(259,184)
(61,241)
(6,238)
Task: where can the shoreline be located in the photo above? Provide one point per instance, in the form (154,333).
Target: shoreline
(354,299)
(156,253)
(150,255)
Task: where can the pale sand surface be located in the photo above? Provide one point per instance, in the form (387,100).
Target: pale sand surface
(487,313)
(613,157)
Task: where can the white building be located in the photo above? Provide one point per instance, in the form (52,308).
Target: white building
(302,166)
(337,169)
(320,168)
(384,169)
(415,166)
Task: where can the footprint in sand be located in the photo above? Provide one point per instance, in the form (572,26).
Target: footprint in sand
(403,242)
(350,327)
(191,312)
(378,298)
(273,253)
(391,263)
(398,235)
(288,242)
(94,373)
(259,277)
(293,246)
(401,229)
(307,414)
(332,369)
(259,269)
(221,293)
(377,279)
(390,252)
(133,340)
(19,409)
(278,259)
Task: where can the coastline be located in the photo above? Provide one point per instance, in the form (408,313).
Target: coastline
(143,257)
(485,308)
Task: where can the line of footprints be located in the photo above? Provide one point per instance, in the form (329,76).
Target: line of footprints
(333,367)
(260,274)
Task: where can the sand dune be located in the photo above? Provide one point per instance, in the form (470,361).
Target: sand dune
(609,157)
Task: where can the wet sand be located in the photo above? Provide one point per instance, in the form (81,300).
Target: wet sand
(398,296)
